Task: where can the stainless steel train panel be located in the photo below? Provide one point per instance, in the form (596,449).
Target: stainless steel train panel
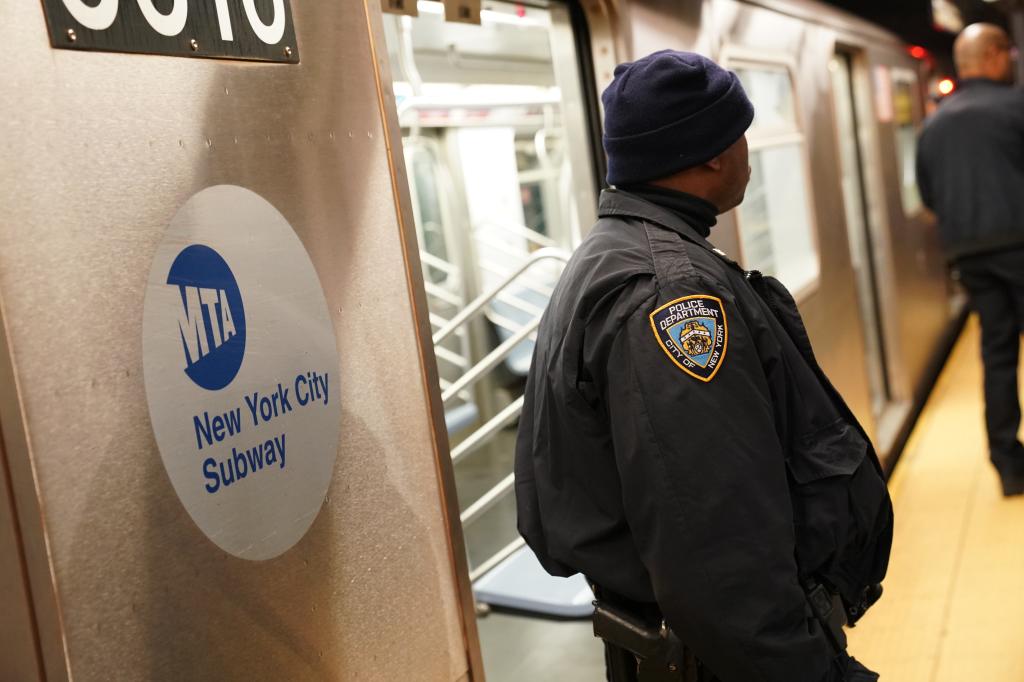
(920,294)
(99,151)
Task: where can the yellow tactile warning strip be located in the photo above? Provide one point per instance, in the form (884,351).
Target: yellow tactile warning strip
(953,609)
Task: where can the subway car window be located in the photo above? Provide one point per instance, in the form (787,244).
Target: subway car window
(494,174)
(771,91)
(776,232)
(904,84)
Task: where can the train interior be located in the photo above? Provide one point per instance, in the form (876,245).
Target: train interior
(500,174)
(499,206)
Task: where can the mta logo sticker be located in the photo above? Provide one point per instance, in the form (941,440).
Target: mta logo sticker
(693,333)
(211,320)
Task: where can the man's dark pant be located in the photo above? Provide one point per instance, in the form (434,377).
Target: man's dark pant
(995,284)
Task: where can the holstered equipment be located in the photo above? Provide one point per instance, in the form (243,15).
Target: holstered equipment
(829,610)
(660,656)
(868,596)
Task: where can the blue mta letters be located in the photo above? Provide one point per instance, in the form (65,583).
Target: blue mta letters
(211,320)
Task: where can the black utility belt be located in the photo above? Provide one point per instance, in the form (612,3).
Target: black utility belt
(662,657)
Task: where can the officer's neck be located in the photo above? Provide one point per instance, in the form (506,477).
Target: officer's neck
(695,211)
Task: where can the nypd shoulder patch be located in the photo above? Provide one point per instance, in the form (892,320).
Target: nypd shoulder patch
(692,331)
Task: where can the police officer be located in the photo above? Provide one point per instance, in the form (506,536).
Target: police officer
(970,170)
(679,444)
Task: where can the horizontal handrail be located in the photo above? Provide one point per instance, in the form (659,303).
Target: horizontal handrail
(534,284)
(437,320)
(488,499)
(507,324)
(523,305)
(502,554)
(490,361)
(493,425)
(440,292)
(439,263)
(480,301)
(520,304)
(459,361)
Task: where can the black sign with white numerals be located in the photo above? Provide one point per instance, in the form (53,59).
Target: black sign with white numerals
(228,29)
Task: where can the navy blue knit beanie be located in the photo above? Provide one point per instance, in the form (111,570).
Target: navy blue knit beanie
(670,111)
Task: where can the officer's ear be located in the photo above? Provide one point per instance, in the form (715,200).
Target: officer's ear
(714,164)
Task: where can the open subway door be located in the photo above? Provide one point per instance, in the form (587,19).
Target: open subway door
(500,152)
(218,404)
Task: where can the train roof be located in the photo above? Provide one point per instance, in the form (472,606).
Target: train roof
(831,16)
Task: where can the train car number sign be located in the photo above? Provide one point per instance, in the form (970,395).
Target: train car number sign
(228,29)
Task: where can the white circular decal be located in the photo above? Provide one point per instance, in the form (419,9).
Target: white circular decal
(241,364)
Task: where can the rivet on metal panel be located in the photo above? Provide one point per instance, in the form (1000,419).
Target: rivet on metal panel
(287,51)
(194,44)
(209,143)
(331,135)
(72,36)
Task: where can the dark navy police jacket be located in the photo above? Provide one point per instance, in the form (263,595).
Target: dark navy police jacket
(970,168)
(680,445)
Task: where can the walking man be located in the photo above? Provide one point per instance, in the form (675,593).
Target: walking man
(970,170)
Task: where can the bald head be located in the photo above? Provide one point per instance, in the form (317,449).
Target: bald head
(983,51)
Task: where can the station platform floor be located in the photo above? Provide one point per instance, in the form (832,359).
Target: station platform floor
(954,596)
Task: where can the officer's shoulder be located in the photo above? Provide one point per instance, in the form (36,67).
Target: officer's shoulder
(616,243)
(711,269)
(617,249)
